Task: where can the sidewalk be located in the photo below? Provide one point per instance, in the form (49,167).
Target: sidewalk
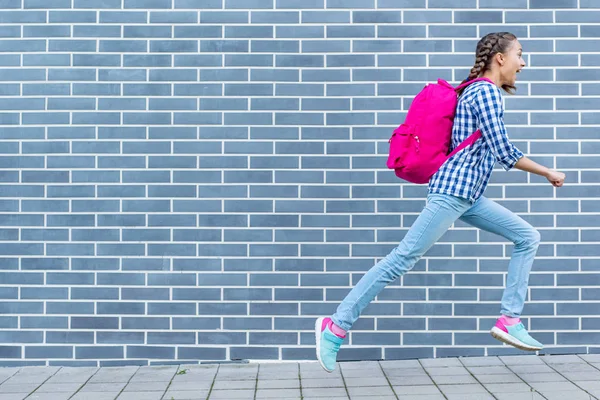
(567,377)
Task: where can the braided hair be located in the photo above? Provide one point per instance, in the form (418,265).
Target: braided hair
(490,45)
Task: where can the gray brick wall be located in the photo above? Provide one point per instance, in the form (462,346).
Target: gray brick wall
(187,180)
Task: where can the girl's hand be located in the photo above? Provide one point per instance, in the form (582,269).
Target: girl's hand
(555,178)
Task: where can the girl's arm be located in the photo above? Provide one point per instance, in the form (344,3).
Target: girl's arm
(554,177)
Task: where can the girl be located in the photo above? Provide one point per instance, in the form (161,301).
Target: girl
(455,192)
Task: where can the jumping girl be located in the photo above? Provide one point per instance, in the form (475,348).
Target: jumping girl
(456,192)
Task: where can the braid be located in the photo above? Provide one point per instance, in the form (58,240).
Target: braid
(482,56)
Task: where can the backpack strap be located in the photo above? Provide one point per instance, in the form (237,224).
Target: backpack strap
(464,85)
(467,142)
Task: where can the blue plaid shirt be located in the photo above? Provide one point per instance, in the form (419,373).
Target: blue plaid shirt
(468,172)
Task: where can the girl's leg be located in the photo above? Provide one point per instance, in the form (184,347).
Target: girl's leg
(438,215)
(492,217)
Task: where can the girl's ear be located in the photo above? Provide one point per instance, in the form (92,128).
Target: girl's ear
(499,58)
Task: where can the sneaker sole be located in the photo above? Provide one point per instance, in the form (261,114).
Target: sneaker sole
(504,337)
(318,341)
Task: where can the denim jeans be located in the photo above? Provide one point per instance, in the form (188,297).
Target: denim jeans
(440,212)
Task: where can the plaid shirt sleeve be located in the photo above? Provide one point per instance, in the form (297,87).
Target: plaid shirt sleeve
(488,109)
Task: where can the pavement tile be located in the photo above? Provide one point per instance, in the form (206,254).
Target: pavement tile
(231,394)
(141,395)
(552,377)
(366,382)
(410,380)
(460,389)
(401,364)
(278,384)
(571,395)
(326,383)
(562,359)
(319,392)
(466,396)
(416,390)
(495,370)
(454,379)
(440,362)
(481,361)
(507,387)
(229,385)
(521,360)
(95,396)
(374,391)
(277,393)
(146,387)
(186,395)
(58,387)
(504,378)
(447,371)
(519,396)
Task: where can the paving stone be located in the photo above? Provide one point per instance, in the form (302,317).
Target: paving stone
(186,395)
(571,395)
(551,387)
(114,374)
(276,393)
(496,370)
(278,384)
(553,377)
(410,380)
(360,365)
(223,384)
(58,387)
(18,388)
(440,362)
(425,397)
(461,389)
(453,379)
(231,394)
(367,373)
(141,395)
(319,392)
(103,387)
(146,386)
(447,371)
(504,378)
(13,396)
(327,383)
(467,396)
(95,396)
(366,382)
(400,364)
(531,369)
(416,390)
(481,361)
(374,391)
(186,386)
(519,396)
(73,375)
(507,387)
(521,360)
(562,359)
(50,396)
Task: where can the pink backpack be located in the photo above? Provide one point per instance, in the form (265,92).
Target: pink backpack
(419,146)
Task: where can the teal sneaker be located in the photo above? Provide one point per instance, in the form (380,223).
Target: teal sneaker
(515,335)
(328,344)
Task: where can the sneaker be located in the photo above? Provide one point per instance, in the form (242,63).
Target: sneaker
(515,335)
(328,344)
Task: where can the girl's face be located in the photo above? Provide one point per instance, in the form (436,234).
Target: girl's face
(511,63)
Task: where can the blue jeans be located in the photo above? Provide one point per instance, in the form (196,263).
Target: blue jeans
(438,215)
